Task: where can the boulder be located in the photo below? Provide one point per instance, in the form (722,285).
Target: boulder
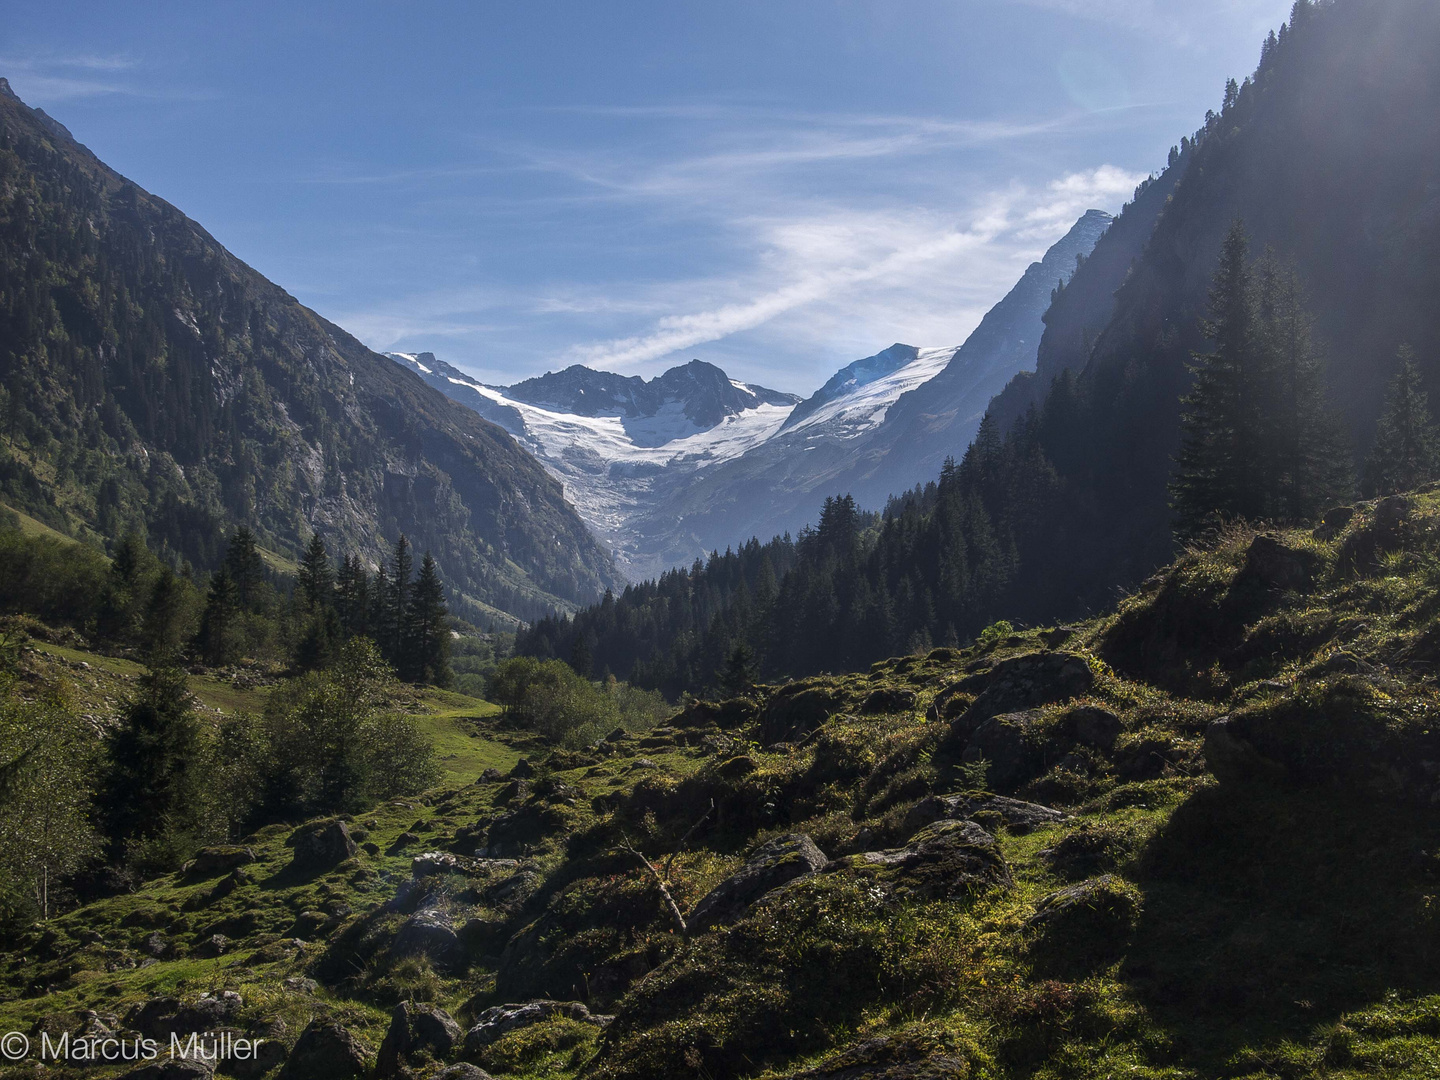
(161,1017)
(500,1020)
(269,1053)
(440,862)
(1272,565)
(212,861)
(888,1058)
(326,1051)
(462,1070)
(769,866)
(523,770)
(1333,523)
(1094,726)
(1084,926)
(797,710)
(944,860)
(167,1068)
(321,845)
(1024,682)
(430,933)
(1004,741)
(988,811)
(416,1028)
(888,699)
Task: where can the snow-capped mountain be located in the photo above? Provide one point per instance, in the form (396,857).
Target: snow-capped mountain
(669,469)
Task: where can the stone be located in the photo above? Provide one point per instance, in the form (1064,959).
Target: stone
(440,862)
(1004,742)
(173,1069)
(430,933)
(944,860)
(326,1051)
(1094,915)
(500,1020)
(212,946)
(1272,565)
(301,985)
(769,866)
(795,711)
(321,845)
(1333,523)
(269,1054)
(211,861)
(490,776)
(988,811)
(1023,682)
(1094,726)
(523,770)
(888,700)
(887,1058)
(416,1028)
(155,945)
(462,1070)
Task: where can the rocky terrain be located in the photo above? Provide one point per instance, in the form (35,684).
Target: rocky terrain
(1195,837)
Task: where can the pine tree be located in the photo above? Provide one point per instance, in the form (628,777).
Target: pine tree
(1406,452)
(150,799)
(216,639)
(1220,427)
(428,634)
(246,568)
(398,602)
(315,580)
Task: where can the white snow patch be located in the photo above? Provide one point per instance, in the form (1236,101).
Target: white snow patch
(862,408)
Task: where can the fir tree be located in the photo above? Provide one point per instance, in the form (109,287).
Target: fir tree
(398,603)
(1406,452)
(216,639)
(150,799)
(246,568)
(315,580)
(428,635)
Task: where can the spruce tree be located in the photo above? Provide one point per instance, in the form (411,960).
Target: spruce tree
(428,631)
(398,603)
(1223,419)
(246,568)
(1406,452)
(315,581)
(216,639)
(151,792)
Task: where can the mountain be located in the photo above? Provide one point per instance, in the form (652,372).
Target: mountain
(878,427)
(619,444)
(1330,157)
(153,382)
(670,470)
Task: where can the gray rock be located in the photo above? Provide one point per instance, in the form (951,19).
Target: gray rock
(1094,726)
(1023,682)
(888,700)
(173,1069)
(326,1051)
(321,845)
(462,1071)
(886,1059)
(440,862)
(430,933)
(210,861)
(1004,741)
(1273,565)
(522,770)
(794,713)
(416,1028)
(269,1053)
(989,811)
(769,866)
(944,860)
(500,1020)
(1334,523)
(1232,758)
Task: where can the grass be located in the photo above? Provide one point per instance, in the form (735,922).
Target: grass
(31,527)
(1274,929)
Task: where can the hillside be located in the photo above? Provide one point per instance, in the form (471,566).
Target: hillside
(1330,157)
(1192,838)
(153,382)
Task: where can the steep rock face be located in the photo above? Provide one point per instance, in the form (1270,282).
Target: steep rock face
(155,382)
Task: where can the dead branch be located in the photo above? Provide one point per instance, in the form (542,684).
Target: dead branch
(664,891)
(686,838)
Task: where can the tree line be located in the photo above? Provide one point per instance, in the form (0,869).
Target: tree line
(991,538)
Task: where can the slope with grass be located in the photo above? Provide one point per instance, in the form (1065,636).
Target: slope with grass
(1196,837)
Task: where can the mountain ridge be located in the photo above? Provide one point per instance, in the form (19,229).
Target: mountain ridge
(154,382)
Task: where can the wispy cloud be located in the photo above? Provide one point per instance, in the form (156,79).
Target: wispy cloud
(49,77)
(839,258)
(1190,23)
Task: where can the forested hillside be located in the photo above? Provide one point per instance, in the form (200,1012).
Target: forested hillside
(1325,166)
(150,382)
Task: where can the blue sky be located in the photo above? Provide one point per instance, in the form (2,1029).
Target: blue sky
(778,187)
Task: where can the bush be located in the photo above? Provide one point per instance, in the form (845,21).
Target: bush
(548,697)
